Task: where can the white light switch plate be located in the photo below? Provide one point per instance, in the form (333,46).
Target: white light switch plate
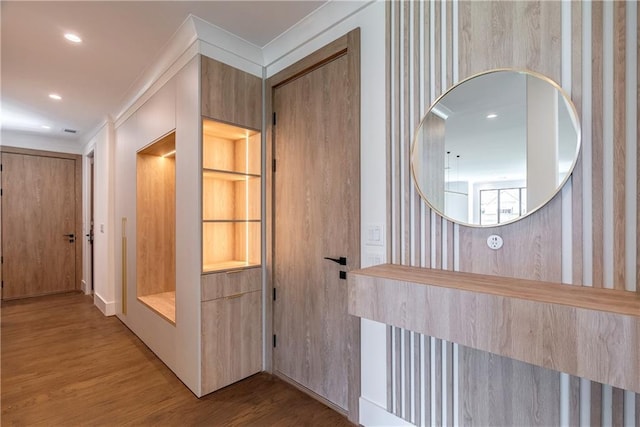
(374,234)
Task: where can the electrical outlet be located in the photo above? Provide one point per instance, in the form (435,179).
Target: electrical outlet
(494,242)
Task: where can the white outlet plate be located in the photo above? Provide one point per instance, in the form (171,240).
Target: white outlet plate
(494,242)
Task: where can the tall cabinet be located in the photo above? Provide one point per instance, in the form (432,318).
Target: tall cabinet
(192,289)
(231,303)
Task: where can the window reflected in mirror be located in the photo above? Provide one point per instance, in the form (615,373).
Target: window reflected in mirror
(496,147)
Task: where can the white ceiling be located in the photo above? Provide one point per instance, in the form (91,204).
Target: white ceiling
(121,39)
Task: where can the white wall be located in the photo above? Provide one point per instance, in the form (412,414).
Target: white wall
(39,142)
(102,147)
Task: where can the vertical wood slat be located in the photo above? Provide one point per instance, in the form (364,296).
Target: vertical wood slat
(438,382)
(574,401)
(597,144)
(406,185)
(596,404)
(415,121)
(390,368)
(619,145)
(577,178)
(638,183)
(396,142)
(408,376)
(449,381)
(617,407)
(417,379)
(397,371)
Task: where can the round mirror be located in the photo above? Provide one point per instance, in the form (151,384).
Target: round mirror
(495,148)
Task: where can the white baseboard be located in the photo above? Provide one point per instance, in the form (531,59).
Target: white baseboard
(85,287)
(374,415)
(107,308)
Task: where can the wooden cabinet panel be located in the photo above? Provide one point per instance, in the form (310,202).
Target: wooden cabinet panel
(230,283)
(231,95)
(231,339)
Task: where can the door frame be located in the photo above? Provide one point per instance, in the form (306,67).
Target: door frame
(348,43)
(77,158)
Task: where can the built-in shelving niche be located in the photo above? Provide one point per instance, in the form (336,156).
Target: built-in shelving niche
(156,226)
(230,196)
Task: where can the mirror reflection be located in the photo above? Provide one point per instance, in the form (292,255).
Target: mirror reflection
(496,147)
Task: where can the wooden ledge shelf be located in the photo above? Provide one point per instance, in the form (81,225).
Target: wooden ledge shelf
(163,303)
(586,332)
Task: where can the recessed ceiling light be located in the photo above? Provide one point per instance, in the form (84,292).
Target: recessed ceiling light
(73,38)
(45,127)
(55,96)
(492,116)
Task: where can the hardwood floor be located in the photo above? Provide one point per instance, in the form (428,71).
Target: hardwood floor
(65,364)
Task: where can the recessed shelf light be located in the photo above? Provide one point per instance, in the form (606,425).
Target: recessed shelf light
(492,116)
(45,127)
(55,96)
(73,38)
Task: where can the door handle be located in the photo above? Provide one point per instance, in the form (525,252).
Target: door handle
(342,260)
(72,237)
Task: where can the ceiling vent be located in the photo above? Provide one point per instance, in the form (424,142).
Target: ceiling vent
(70,130)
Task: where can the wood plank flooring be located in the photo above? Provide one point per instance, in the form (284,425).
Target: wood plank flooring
(65,364)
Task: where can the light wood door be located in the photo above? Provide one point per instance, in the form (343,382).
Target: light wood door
(317,215)
(38,214)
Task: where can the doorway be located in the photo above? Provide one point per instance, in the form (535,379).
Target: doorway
(90,234)
(41,207)
(315,224)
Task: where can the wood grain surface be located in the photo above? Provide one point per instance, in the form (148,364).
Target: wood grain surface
(586,332)
(155,224)
(232,339)
(121,382)
(38,210)
(316,209)
(230,95)
(234,282)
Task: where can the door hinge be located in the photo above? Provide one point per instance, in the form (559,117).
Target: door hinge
(274,340)
(2,285)
(274,118)
(274,294)
(0,167)
(274,165)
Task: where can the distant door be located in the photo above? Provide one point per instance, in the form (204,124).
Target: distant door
(38,225)
(316,216)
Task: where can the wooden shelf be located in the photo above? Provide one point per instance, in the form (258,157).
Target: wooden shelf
(228,175)
(586,332)
(227,265)
(163,303)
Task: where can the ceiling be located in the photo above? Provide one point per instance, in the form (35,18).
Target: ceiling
(120,40)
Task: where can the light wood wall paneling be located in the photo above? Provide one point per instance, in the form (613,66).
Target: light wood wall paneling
(596,404)
(397,371)
(417,378)
(577,178)
(617,411)
(619,144)
(437,390)
(638,176)
(406,190)
(396,172)
(231,95)
(597,144)
(525,253)
(574,401)
(490,376)
(408,374)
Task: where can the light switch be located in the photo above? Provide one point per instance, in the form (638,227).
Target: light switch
(374,235)
(102,228)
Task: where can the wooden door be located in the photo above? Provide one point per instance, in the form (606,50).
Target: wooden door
(316,215)
(38,215)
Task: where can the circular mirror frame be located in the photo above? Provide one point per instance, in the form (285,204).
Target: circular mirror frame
(540,76)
